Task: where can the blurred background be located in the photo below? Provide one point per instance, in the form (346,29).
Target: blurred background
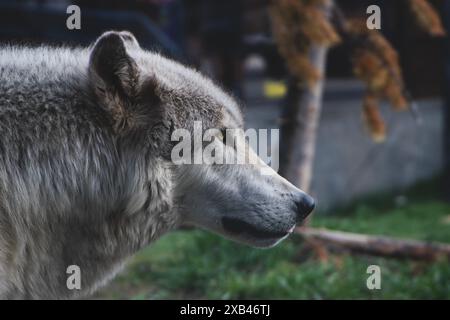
(395,187)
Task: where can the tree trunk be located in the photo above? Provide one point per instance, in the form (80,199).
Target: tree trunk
(300,122)
(446,118)
(376,245)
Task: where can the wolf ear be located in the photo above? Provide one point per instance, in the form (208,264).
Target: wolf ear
(111,68)
(114,76)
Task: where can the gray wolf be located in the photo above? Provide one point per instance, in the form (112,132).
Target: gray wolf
(86,177)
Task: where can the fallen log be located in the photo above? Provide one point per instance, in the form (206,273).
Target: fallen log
(376,245)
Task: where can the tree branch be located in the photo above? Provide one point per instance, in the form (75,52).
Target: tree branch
(376,245)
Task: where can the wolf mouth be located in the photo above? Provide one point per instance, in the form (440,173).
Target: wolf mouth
(237,226)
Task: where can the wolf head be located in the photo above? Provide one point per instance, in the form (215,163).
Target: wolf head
(145,93)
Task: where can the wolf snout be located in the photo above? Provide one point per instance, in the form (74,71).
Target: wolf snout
(305,205)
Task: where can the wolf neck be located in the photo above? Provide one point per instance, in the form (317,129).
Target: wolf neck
(96,235)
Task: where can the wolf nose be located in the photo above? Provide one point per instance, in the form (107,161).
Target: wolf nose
(305,206)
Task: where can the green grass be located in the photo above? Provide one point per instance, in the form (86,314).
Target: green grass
(196,264)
